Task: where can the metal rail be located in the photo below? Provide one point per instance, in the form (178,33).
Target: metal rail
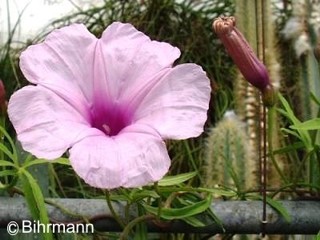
(237,217)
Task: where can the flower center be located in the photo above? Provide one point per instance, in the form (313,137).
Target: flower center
(110,119)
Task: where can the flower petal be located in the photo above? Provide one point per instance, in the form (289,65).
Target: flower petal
(113,68)
(63,63)
(177,105)
(126,59)
(46,125)
(133,158)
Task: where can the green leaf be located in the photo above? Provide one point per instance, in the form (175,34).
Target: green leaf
(6,151)
(28,194)
(193,221)
(288,110)
(291,132)
(301,134)
(5,163)
(314,98)
(35,200)
(289,148)
(313,124)
(64,161)
(218,191)
(279,208)
(139,194)
(4,173)
(13,146)
(177,179)
(119,197)
(11,183)
(276,205)
(183,212)
(141,231)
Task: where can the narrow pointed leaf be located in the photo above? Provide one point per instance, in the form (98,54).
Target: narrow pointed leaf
(183,212)
(313,124)
(279,208)
(177,179)
(35,200)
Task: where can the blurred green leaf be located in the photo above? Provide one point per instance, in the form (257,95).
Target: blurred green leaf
(218,191)
(289,148)
(139,194)
(64,161)
(35,200)
(4,173)
(11,154)
(313,124)
(292,132)
(193,221)
(302,134)
(279,208)
(6,151)
(183,212)
(177,179)
(5,163)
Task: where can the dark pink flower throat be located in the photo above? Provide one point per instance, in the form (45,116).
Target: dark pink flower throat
(110,118)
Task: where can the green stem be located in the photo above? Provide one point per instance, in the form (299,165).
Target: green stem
(2,157)
(124,235)
(192,160)
(313,168)
(67,211)
(156,188)
(113,212)
(294,186)
(301,164)
(263,176)
(271,114)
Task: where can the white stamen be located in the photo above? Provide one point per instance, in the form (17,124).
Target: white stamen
(106,129)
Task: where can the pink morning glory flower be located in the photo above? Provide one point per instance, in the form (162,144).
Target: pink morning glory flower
(111,102)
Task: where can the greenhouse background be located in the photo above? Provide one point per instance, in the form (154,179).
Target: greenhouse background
(37,14)
(253,173)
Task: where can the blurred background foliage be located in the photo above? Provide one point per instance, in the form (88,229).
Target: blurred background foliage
(187,25)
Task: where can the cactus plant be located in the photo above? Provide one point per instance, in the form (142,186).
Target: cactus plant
(227,155)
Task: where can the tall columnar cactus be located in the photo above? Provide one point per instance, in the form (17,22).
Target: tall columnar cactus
(228,159)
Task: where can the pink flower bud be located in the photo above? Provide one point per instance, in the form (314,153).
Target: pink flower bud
(241,53)
(3,101)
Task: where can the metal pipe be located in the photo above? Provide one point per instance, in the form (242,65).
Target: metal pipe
(237,217)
